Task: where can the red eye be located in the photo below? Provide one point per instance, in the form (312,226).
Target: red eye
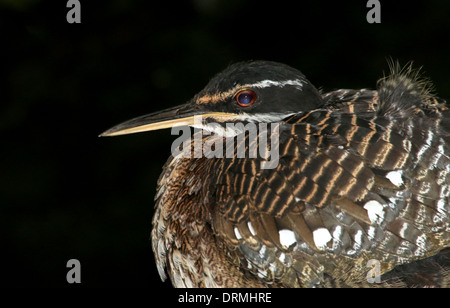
(245,98)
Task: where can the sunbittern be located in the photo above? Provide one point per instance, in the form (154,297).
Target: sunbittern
(361,182)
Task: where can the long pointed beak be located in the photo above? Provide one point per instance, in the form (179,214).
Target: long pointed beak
(176,116)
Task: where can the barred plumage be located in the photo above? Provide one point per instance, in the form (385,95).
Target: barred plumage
(362,175)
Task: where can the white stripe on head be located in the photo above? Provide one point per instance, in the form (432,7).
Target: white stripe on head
(221,96)
(269,83)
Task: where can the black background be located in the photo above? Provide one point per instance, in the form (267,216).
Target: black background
(65,193)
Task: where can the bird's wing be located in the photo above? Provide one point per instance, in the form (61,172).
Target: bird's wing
(348,187)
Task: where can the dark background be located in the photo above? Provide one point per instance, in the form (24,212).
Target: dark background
(65,193)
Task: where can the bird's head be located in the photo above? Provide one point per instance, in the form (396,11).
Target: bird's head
(256,91)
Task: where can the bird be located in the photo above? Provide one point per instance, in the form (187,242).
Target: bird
(346,188)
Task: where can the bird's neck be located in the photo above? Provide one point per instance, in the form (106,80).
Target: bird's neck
(184,244)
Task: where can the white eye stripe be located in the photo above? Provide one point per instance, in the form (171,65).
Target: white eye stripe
(269,83)
(214,98)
